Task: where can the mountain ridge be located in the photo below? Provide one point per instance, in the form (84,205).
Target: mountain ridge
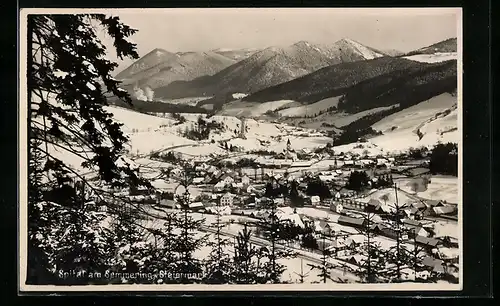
(269,67)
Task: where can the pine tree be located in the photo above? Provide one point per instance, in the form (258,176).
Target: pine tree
(272,227)
(245,262)
(372,266)
(188,267)
(398,254)
(218,264)
(67,81)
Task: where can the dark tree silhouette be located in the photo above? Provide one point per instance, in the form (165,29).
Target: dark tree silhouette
(358,180)
(444,159)
(68,79)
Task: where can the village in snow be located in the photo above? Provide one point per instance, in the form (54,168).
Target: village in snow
(310,188)
(304,163)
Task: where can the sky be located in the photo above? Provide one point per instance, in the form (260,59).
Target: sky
(205,29)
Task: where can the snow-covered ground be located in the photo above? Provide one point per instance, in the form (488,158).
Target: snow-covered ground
(254,109)
(310,109)
(343,119)
(186,101)
(433,58)
(440,188)
(446,228)
(391,197)
(436,118)
(363,50)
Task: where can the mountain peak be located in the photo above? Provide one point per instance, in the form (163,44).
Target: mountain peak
(302,43)
(358,48)
(159,52)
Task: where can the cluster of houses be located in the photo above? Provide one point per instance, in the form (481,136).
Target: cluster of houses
(417,210)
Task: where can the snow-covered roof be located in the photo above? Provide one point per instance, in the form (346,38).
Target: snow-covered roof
(195,204)
(315,199)
(198,180)
(220,184)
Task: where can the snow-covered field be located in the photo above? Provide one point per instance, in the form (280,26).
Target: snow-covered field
(343,119)
(391,197)
(186,101)
(440,188)
(433,58)
(253,109)
(400,128)
(446,228)
(310,109)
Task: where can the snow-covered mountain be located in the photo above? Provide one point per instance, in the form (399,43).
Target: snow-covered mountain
(442,51)
(236,54)
(348,50)
(149,60)
(269,67)
(159,68)
(446,46)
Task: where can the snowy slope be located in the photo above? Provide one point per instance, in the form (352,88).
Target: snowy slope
(436,118)
(310,109)
(433,58)
(364,51)
(251,109)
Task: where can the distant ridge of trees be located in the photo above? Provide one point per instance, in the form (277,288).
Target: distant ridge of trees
(159,107)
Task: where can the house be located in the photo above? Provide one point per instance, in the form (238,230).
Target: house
(327,178)
(279,201)
(196,206)
(227,199)
(415,228)
(169,203)
(348,163)
(250,189)
(366,162)
(447,254)
(390,233)
(418,171)
(433,203)
(353,222)
(227,179)
(245,180)
(237,185)
(212,169)
(434,265)
(444,210)
(411,223)
(198,180)
(219,210)
(293,219)
(377,228)
(407,274)
(356,259)
(337,207)
(418,205)
(208,179)
(373,205)
(322,226)
(220,186)
(315,200)
(382,162)
(449,242)
(429,243)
